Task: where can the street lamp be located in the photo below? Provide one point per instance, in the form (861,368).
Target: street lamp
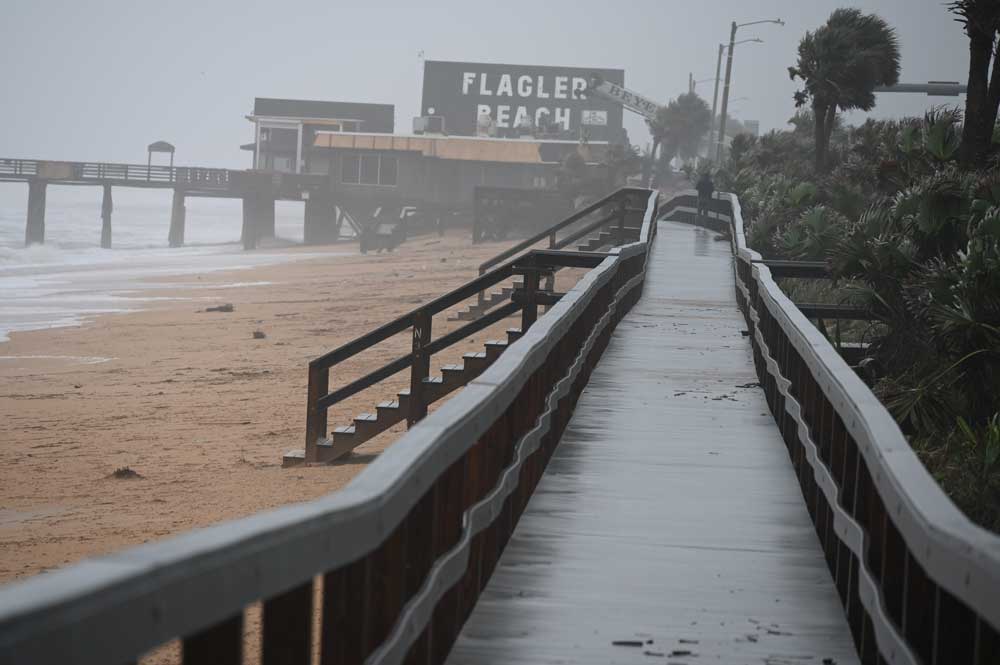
(729,72)
(715,95)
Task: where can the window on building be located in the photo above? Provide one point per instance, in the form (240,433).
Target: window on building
(369,169)
(387,171)
(351,169)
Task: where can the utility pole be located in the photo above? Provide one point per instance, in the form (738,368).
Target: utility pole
(729,73)
(715,101)
(725,94)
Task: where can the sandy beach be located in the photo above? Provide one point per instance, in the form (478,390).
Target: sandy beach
(194,404)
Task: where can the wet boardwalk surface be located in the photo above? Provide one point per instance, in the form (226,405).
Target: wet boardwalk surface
(669,511)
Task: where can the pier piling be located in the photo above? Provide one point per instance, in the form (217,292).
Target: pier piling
(258,217)
(35,229)
(107,205)
(318,218)
(178,217)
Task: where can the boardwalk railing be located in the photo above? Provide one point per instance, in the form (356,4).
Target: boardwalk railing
(397,559)
(108,173)
(518,260)
(920,583)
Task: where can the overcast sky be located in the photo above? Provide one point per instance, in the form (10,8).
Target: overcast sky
(100,79)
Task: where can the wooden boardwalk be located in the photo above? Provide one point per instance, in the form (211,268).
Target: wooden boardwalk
(669,511)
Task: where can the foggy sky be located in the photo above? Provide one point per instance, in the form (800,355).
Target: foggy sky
(100,79)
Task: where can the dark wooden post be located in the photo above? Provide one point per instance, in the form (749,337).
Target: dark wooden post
(106,207)
(529,314)
(476,220)
(622,213)
(249,235)
(265,203)
(35,230)
(178,215)
(319,386)
(421,367)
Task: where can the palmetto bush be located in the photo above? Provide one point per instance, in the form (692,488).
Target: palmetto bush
(915,238)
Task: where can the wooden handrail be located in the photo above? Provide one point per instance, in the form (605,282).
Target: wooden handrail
(548,232)
(418,532)
(919,581)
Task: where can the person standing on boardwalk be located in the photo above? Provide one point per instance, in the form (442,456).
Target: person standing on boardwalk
(705,188)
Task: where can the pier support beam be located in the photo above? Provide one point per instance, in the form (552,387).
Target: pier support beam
(320,219)
(107,205)
(34,232)
(178,216)
(258,218)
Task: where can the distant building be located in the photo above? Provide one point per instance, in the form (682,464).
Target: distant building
(285,128)
(441,172)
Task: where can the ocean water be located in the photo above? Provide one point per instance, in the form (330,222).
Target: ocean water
(70,278)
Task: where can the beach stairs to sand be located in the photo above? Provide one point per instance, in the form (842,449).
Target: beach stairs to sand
(598,241)
(492,299)
(346,438)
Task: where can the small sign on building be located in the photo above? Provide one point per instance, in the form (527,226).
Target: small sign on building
(599,118)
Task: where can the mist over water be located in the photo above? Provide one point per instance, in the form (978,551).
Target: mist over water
(70,277)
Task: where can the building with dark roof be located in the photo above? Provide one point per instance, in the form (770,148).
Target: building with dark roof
(284,127)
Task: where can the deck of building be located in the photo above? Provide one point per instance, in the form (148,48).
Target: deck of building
(669,515)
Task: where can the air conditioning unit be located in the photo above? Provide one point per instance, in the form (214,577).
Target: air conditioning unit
(428,124)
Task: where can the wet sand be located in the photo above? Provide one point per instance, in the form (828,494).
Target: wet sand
(196,406)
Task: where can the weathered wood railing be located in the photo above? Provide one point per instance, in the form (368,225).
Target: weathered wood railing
(397,559)
(618,202)
(518,260)
(110,173)
(920,583)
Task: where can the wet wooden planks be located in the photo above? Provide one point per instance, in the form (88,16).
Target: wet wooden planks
(669,512)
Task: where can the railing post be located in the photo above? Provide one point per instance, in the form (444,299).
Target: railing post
(529,314)
(622,212)
(319,386)
(552,240)
(481,296)
(420,368)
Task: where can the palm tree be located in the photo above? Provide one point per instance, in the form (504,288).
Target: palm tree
(841,64)
(689,119)
(658,129)
(679,127)
(981,19)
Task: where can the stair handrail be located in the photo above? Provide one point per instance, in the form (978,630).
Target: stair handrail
(517,259)
(551,231)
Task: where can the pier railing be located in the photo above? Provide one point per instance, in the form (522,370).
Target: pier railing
(396,560)
(919,582)
(111,173)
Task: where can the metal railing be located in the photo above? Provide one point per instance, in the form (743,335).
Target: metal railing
(919,582)
(397,559)
(110,173)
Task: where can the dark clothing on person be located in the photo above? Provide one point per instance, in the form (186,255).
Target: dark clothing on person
(705,188)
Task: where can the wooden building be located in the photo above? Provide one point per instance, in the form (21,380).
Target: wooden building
(433,175)
(285,128)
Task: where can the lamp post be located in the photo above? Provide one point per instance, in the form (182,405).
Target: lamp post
(729,72)
(715,95)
